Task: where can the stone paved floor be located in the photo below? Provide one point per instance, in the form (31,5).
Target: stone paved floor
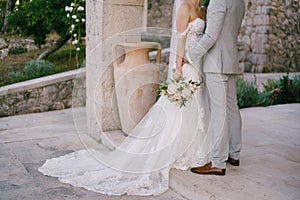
(26,141)
(270,163)
(270,160)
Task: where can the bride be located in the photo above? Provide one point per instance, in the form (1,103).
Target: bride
(167,137)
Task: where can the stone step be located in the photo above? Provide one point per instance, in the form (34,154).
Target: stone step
(239,182)
(269,168)
(177,182)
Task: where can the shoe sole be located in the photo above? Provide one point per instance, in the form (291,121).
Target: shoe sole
(235,163)
(210,173)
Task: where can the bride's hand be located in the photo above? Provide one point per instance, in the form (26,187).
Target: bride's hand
(179,64)
(177,74)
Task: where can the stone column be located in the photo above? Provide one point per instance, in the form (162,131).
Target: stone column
(145,17)
(108,22)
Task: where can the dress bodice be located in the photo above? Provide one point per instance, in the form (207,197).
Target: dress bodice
(193,32)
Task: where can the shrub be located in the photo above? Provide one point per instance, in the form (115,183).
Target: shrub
(38,68)
(247,94)
(33,69)
(282,91)
(296,84)
(16,76)
(17,50)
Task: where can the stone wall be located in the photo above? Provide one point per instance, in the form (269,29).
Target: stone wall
(269,39)
(160,13)
(283,49)
(271,35)
(54,92)
(10,45)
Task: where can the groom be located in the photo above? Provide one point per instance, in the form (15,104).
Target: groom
(220,60)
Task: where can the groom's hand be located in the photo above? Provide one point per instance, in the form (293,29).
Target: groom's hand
(187,57)
(184,61)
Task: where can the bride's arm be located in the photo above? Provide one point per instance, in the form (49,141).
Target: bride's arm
(215,14)
(182,22)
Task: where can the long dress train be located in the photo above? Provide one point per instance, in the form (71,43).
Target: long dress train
(167,137)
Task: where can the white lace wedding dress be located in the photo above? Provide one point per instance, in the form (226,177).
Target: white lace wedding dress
(167,137)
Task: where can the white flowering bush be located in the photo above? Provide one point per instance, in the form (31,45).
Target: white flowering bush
(178,90)
(76,18)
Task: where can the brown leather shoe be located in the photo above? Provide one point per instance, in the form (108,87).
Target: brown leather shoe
(208,170)
(233,161)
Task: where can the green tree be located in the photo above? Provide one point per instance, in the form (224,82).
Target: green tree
(10,4)
(39,18)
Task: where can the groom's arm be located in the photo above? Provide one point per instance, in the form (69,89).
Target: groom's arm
(215,18)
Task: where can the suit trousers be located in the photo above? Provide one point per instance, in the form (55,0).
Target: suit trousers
(224,131)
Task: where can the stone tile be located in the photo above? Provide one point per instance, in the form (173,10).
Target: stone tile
(274,173)
(233,186)
(36,151)
(59,191)
(269,168)
(24,150)
(26,192)
(15,181)
(270,160)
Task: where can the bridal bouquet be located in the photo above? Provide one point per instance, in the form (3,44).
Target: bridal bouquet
(178,90)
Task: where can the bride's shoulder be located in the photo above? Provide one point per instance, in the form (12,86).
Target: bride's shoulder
(185,7)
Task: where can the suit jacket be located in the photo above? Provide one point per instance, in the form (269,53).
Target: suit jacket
(218,45)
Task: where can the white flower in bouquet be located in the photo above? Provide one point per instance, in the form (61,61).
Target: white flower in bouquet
(172,88)
(186,92)
(179,90)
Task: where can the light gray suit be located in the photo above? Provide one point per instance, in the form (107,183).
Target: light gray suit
(219,51)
